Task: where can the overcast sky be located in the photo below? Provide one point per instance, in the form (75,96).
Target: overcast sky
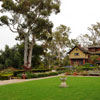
(77,14)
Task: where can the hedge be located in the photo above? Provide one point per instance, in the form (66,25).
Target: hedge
(88,68)
(34,75)
(5,76)
(15,73)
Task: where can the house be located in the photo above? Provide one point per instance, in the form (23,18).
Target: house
(79,55)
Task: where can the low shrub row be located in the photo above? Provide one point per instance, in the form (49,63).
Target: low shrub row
(5,76)
(34,75)
(61,71)
(62,68)
(84,73)
(15,73)
(88,68)
(33,70)
(41,70)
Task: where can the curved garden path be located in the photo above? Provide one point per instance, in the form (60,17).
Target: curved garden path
(4,82)
(24,80)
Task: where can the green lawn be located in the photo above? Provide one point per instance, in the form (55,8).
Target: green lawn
(80,88)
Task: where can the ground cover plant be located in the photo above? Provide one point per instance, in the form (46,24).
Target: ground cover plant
(80,88)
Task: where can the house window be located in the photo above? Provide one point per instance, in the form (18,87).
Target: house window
(76,49)
(76,54)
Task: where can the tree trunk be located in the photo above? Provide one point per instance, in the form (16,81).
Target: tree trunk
(59,56)
(25,50)
(30,53)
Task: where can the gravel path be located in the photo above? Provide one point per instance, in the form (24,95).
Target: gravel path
(22,80)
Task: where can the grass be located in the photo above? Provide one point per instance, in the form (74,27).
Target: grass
(80,88)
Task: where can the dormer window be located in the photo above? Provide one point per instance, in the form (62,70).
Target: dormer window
(76,54)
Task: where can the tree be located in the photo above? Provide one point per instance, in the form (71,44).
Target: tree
(73,42)
(60,41)
(83,40)
(30,19)
(93,38)
(66,61)
(13,57)
(94,58)
(95,34)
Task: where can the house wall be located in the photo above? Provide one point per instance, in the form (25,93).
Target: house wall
(94,49)
(81,54)
(98,49)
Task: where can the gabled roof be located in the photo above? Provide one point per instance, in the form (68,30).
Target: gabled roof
(85,51)
(81,48)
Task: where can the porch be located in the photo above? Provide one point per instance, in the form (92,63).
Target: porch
(78,61)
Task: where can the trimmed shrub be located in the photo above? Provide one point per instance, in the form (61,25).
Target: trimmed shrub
(33,70)
(62,68)
(28,75)
(5,76)
(42,74)
(19,75)
(88,68)
(35,76)
(63,71)
(53,73)
(41,70)
(32,75)
(15,73)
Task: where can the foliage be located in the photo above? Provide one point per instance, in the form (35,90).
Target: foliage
(57,47)
(1,66)
(8,71)
(33,71)
(93,38)
(30,19)
(37,75)
(13,57)
(94,58)
(66,61)
(30,75)
(5,76)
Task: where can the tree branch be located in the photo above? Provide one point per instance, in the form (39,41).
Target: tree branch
(12,29)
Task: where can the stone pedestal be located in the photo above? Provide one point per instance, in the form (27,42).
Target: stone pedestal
(63,83)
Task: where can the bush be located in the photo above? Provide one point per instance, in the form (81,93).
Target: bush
(9,70)
(33,70)
(35,76)
(62,68)
(29,75)
(41,70)
(43,74)
(5,76)
(62,71)
(19,75)
(88,68)
(53,73)
(32,75)
(88,65)
(84,73)
(47,74)
(15,73)
(1,66)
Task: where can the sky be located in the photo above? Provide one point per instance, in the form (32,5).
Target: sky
(76,14)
